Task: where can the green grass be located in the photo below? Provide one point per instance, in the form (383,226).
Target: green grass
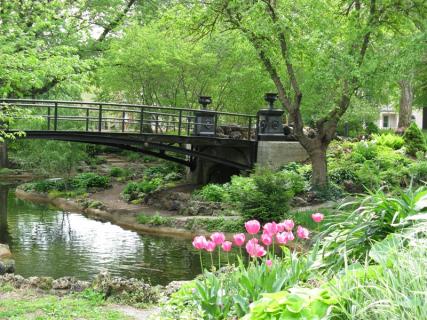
(51,307)
(156,220)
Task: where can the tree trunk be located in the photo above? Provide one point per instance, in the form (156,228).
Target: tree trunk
(319,178)
(405,107)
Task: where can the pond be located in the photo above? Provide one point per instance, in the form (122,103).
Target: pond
(48,242)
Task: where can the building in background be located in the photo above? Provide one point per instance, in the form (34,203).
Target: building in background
(389,118)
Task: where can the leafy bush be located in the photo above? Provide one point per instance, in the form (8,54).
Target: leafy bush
(418,171)
(296,303)
(90,180)
(363,151)
(414,140)
(119,172)
(46,186)
(390,140)
(349,236)
(135,190)
(268,198)
(213,192)
(172,171)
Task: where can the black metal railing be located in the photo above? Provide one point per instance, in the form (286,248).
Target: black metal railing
(52,115)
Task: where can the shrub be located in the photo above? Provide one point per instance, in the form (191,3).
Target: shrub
(414,140)
(418,171)
(119,172)
(363,151)
(371,128)
(135,190)
(90,180)
(46,186)
(267,198)
(213,192)
(390,140)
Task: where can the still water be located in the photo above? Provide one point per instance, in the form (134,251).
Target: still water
(48,242)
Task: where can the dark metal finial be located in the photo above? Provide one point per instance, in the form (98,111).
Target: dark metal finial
(204,101)
(270,98)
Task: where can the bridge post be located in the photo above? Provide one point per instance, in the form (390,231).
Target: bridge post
(4,160)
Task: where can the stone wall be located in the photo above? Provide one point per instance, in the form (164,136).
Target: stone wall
(274,154)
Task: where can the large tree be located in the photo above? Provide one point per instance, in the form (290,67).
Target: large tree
(319,54)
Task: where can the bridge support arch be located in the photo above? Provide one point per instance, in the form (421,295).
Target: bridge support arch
(205,171)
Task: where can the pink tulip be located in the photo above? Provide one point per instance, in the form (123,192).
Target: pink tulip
(303,233)
(317,217)
(226,246)
(289,236)
(260,251)
(271,228)
(266,239)
(251,247)
(239,239)
(280,227)
(199,242)
(210,246)
(252,226)
(254,249)
(288,224)
(281,238)
(218,238)
(269,263)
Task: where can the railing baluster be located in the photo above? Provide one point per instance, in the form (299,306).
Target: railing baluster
(188,125)
(141,123)
(48,118)
(55,121)
(215,123)
(157,123)
(87,120)
(100,118)
(249,128)
(123,121)
(179,122)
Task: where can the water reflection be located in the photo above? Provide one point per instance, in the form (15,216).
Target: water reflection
(47,242)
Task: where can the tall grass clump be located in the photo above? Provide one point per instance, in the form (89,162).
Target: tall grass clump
(394,288)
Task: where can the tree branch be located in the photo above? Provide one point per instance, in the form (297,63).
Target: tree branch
(116,21)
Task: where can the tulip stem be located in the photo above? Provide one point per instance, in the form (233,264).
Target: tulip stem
(201,260)
(219,258)
(212,263)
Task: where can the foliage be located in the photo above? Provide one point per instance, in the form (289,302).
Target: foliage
(414,140)
(231,293)
(136,190)
(297,303)
(57,159)
(349,236)
(213,192)
(392,289)
(156,220)
(389,140)
(45,186)
(211,224)
(90,180)
(119,172)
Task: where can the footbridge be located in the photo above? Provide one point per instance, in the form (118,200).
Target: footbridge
(214,145)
